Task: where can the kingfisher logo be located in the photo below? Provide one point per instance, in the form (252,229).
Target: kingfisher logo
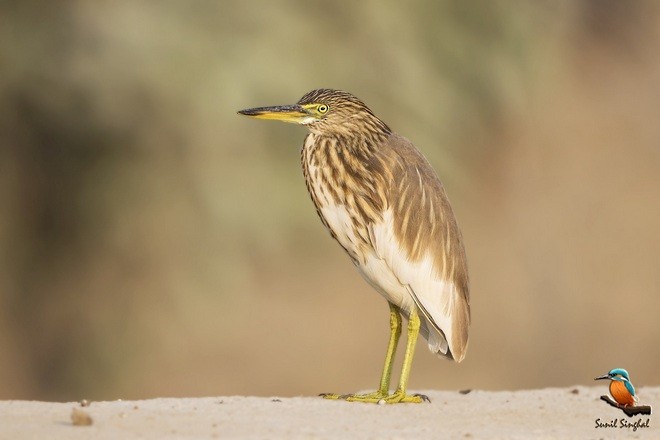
(623,397)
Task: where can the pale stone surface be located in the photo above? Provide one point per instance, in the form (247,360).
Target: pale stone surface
(561,413)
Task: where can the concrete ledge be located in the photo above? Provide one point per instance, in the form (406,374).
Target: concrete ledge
(547,413)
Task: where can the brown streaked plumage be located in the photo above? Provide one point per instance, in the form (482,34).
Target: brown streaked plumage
(383,203)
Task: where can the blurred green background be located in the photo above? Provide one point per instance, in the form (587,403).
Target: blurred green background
(154,243)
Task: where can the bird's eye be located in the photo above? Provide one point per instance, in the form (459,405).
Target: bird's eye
(322,108)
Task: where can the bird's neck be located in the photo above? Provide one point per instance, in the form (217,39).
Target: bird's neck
(360,144)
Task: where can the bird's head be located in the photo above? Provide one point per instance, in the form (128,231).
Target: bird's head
(616,374)
(325,112)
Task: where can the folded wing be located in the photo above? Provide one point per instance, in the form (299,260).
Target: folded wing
(419,240)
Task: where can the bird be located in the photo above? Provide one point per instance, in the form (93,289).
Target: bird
(621,389)
(384,204)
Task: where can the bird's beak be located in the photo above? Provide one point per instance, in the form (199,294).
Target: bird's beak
(287,113)
(604,376)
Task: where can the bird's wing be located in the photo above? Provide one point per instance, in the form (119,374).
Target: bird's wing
(420,241)
(630,388)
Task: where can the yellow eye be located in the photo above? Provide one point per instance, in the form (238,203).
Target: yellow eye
(322,108)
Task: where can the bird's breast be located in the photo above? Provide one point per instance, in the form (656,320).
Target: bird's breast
(620,393)
(335,198)
(342,222)
(348,229)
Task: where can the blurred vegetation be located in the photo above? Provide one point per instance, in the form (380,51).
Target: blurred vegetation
(153,243)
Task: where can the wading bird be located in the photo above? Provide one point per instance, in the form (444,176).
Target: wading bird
(383,203)
(621,389)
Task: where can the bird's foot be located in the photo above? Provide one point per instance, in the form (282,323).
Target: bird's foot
(401,397)
(379,397)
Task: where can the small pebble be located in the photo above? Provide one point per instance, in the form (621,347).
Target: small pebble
(80,418)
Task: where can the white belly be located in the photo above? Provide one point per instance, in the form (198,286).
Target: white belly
(373,269)
(380,276)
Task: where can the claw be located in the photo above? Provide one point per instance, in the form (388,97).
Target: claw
(424,397)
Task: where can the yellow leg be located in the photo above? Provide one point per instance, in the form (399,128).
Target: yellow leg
(384,389)
(382,395)
(395,332)
(400,393)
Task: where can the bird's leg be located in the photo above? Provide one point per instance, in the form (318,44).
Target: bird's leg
(384,389)
(399,395)
(395,333)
